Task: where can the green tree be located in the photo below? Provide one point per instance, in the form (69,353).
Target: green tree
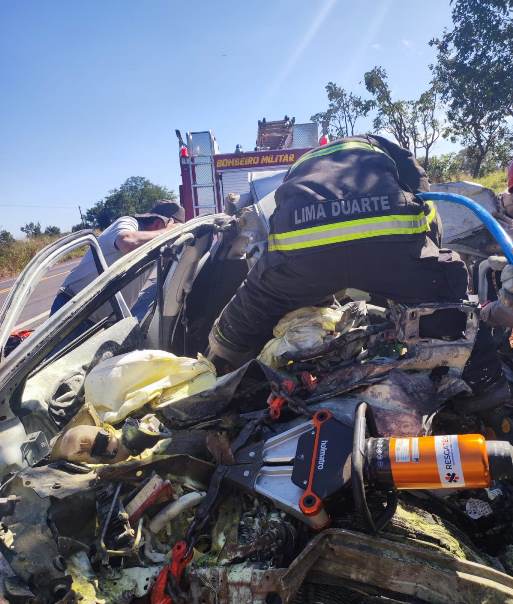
(416,125)
(500,155)
(52,230)
(135,195)
(32,230)
(426,127)
(473,68)
(392,116)
(446,167)
(6,238)
(344,110)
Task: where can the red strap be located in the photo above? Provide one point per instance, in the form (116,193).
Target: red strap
(158,593)
(179,561)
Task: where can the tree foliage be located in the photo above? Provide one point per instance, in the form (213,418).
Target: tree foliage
(474,73)
(344,110)
(6,238)
(52,230)
(392,116)
(414,124)
(32,230)
(425,125)
(446,167)
(135,195)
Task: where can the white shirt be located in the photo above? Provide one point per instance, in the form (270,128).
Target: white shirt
(86,271)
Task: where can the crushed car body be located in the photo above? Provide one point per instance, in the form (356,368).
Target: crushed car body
(348,463)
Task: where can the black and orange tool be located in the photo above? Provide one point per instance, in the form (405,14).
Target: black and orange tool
(301,468)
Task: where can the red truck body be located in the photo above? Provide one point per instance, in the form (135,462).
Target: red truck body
(208,175)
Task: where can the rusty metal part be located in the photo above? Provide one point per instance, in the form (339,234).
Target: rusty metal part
(218,445)
(275,541)
(453,353)
(184,469)
(377,563)
(117,538)
(431,354)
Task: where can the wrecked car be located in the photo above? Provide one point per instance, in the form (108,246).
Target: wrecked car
(327,470)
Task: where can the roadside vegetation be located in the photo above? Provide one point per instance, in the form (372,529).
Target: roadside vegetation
(14,256)
(135,195)
(468,101)
(496,181)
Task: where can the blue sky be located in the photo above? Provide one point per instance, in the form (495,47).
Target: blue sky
(91,91)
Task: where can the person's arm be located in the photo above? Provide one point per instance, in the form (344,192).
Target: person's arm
(127,241)
(412,176)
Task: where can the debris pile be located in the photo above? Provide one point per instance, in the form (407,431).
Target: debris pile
(164,484)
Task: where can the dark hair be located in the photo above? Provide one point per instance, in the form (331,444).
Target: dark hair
(145,221)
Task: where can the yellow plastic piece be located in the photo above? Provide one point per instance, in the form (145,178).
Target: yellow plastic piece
(304,329)
(118,386)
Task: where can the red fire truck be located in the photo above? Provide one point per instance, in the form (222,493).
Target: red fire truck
(208,175)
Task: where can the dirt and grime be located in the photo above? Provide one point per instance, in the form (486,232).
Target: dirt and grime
(147,479)
(98,519)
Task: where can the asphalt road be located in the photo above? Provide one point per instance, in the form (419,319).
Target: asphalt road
(38,306)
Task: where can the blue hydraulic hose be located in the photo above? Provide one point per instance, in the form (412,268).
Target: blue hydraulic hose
(498,233)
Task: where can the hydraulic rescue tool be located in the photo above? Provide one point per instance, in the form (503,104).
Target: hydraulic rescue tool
(303,467)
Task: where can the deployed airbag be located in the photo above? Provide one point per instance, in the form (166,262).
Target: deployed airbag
(122,384)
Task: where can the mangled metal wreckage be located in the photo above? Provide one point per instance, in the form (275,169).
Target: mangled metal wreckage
(130,474)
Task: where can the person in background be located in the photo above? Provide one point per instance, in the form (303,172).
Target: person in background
(124,235)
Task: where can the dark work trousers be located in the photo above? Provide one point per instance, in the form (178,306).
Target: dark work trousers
(411,272)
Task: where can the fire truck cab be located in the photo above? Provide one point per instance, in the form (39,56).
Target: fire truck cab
(208,175)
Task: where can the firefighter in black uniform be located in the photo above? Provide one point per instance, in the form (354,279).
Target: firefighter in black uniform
(346,216)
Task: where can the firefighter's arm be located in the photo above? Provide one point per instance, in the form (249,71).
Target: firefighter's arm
(412,175)
(128,241)
(496,314)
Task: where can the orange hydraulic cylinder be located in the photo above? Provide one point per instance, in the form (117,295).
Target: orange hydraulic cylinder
(434,462)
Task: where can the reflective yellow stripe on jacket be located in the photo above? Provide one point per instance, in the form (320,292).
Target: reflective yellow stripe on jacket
(432,213)
(352,230)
